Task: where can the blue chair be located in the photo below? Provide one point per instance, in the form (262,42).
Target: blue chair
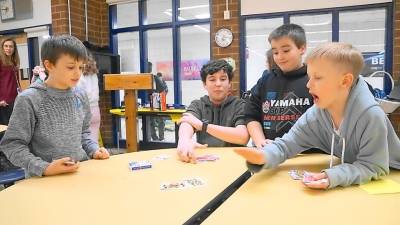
(9,177)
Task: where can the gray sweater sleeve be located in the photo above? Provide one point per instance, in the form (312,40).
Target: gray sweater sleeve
(88,144)
(18,136)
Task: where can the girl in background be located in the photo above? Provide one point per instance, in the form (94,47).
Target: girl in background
(9,84)
(89,83)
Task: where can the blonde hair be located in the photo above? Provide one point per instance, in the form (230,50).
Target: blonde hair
(9,60)
(343,54)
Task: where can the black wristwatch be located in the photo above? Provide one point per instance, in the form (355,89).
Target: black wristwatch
(204,127)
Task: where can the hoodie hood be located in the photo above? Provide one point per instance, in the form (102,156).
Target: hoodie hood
(359,101)
(57,93)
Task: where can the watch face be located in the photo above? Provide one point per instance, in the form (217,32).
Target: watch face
(7,9)
(223,37)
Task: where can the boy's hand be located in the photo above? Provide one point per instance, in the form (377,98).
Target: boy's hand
(102,153)
(263,143)
(186,150)
(192,120)
(60,166)
(252,155)
(316,181)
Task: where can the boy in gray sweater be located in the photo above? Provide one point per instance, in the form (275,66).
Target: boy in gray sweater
(345,121)
(48,133)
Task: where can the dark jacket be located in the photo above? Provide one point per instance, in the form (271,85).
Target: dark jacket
(228,114)
(278,100)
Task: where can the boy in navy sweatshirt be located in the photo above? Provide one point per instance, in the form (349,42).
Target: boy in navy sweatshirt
(48,133)
(345,121)
(280,96)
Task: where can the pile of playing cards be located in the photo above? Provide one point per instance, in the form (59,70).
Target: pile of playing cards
(207,158)
(139,165)
(186,183)
(300,175)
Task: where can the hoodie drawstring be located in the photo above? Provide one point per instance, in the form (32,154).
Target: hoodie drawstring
(332,147)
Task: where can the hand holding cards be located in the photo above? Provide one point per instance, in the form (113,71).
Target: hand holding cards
(311,180)
(70,162)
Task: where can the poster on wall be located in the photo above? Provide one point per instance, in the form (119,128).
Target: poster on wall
(374,61)
(190,69)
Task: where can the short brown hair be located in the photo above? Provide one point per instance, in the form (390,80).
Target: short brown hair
(349,58)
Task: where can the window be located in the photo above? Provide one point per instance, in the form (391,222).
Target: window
(366,31)
(193,56)
(194,9)
(318,28)
(257,32)
(125,17)
(151,39)
(158,11)
(362,26)
(160,55)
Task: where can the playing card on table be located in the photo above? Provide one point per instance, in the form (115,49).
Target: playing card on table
(138,165)
(207,158)
(186,183)
(161,157)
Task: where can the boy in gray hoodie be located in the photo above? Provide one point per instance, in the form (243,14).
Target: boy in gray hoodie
(345,121)
(48,133)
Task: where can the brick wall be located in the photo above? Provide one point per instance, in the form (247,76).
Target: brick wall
(97,19)
(395,117)
(217,22)
(98,34)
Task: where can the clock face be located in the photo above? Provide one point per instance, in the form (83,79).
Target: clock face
(223,37)
(7,9)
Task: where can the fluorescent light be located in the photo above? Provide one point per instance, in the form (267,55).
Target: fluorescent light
(193,7)
(202,16)
(317,41)
(170,14)
(364,30)
(202,28)
(317,24)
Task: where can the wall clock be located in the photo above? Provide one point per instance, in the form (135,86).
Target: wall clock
(223,37)
(7,8)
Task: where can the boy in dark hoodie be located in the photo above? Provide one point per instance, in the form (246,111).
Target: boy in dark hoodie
(48,133)
(280,96)
(217,118)
(345,121)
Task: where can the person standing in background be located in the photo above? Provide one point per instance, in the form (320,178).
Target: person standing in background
(89,82)
(157,121)
(9,84)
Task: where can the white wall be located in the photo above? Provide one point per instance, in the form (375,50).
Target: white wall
(249,7)
(41,16)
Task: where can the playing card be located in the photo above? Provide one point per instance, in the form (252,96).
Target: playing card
(207,158)
(307,177)
(172,185)
(296,174)
(185,183)
(161,157)
(138,165)
(194,182)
